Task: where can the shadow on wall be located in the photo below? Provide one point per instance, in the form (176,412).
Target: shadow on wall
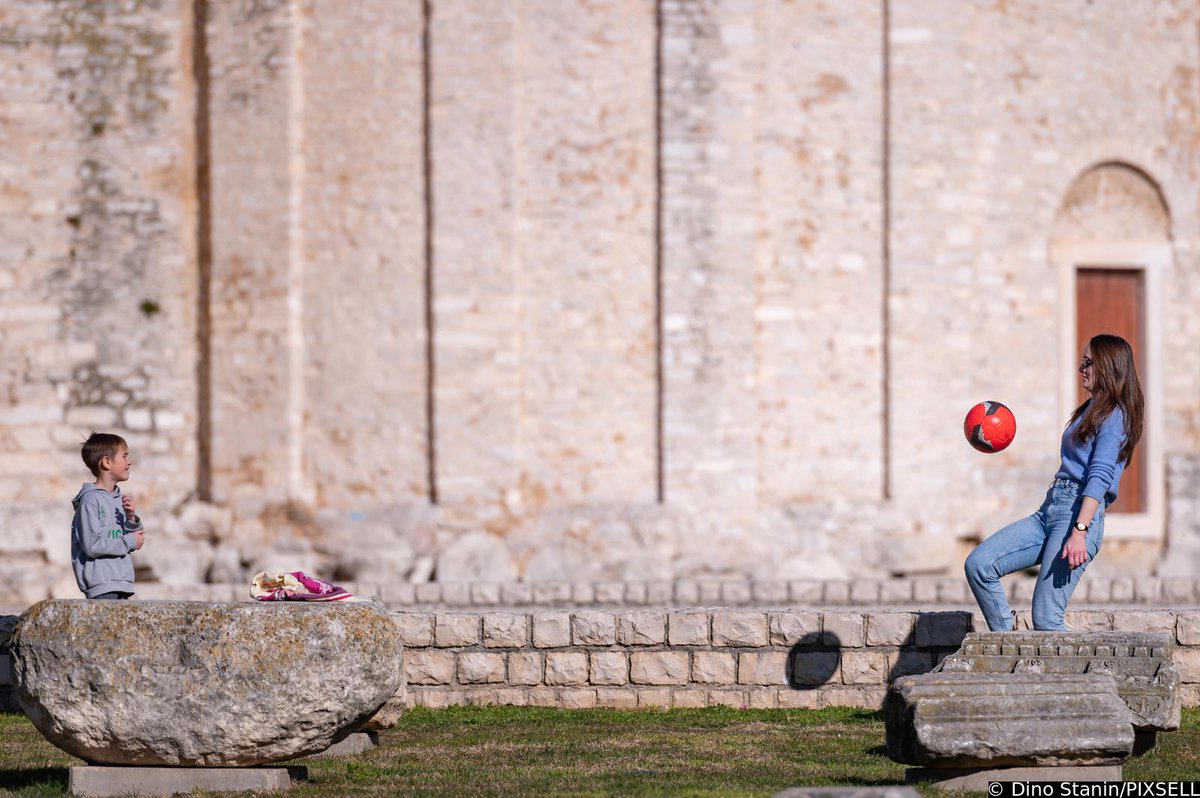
(820,658)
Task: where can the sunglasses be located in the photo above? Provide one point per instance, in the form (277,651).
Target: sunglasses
(1086,363)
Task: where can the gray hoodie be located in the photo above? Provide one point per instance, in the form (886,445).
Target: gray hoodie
(101,540)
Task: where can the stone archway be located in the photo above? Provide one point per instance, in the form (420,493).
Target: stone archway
(1111,243)
(1113,201)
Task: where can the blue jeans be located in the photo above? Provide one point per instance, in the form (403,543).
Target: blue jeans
(1037,539)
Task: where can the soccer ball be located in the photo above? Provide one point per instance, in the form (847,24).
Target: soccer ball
(990,427)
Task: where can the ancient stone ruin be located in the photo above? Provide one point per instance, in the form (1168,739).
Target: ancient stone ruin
(1141,665)
(1041,700)
(983,720)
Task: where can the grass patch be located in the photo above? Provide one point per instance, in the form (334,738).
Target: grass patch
(718,751)
(28,764)
(511,751)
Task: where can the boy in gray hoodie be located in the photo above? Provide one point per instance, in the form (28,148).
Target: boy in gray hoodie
(106,528)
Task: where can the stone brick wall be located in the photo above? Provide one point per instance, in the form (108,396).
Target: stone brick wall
(771,282)
(977,186)
(1182,557)
(97,267)
(611,292)
(709,657)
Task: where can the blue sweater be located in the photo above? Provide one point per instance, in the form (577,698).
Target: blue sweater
(1094,463)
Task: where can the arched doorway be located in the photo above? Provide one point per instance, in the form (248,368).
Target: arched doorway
(1111,244)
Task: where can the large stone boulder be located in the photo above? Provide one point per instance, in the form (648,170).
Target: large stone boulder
(388,715)
(202,684)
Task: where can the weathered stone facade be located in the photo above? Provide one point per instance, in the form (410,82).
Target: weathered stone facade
(624,290)
(98,271)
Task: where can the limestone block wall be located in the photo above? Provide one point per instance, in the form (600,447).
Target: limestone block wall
(608,292)
(318,317)
(97,270)
(915,593)
(318,368)
(771,275)
(542,147)
(1183,546)
(983,156)
(253,194)
(709,657)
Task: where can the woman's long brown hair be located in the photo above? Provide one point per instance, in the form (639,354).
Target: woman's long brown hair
(1115,384)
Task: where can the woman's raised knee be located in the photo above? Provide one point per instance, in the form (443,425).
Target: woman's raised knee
(976,567)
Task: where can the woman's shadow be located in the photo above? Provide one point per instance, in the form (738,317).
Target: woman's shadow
(815,660)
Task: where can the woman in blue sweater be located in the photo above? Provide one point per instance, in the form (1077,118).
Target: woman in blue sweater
(1064,535)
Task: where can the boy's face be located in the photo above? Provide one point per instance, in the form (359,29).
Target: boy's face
(118,465)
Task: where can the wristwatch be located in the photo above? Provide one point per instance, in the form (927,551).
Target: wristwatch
(1080,526)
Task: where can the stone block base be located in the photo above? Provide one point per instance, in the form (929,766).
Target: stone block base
(976,779)
(100,781)
(357,743)
(992,720)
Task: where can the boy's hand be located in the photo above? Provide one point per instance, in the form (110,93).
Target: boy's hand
(128,504)
(140,537)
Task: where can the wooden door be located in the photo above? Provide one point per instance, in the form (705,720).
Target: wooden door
(1114,301)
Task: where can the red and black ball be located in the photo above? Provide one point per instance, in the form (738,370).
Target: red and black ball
(990,427)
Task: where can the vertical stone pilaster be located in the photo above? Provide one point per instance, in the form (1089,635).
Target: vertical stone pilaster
(363,254)
(709,64)
(585,223)
(543,186)
(818,311)
(474,123)
(771,270)
(256,174)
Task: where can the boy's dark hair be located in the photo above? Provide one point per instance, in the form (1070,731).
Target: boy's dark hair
(98,446)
